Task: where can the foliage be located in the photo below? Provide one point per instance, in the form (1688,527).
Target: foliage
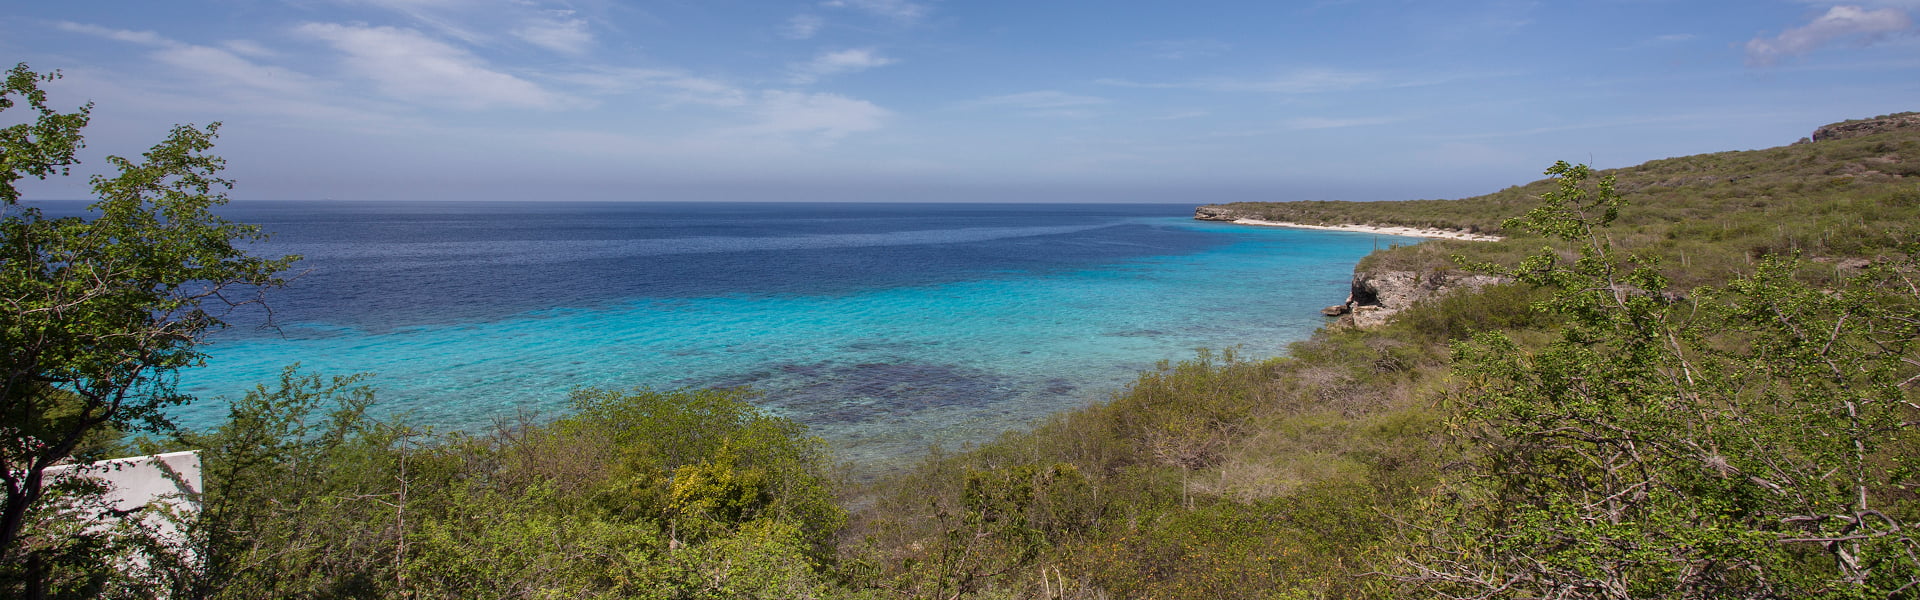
(99,314)
(1663,448)
(1317,473)
(1709,217)
(684,494)
(1089,504)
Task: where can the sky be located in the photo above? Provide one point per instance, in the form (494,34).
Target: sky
(951,100)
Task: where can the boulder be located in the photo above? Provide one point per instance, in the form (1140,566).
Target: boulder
(1375,296)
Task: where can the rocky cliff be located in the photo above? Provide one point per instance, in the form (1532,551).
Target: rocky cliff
(1213,212)
(1376,296)
(1866,127)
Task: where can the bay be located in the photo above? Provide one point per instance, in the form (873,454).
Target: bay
(886,328)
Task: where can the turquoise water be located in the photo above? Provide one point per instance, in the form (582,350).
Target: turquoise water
(933,351)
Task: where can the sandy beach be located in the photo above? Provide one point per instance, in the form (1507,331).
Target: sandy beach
(1448,234)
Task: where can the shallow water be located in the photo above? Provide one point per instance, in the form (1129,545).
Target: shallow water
(886,328)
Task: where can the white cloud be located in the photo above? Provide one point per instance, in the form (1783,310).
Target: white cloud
(213,65)
(802,27)
(222,81)
(1306,81)
(838,63)
(1902,4)
(830,116)
(232,70)
(434,14)
(407,64)
(250,48)
(136,37)
(897,10)
(1846,21)
(558,31)
(670,86)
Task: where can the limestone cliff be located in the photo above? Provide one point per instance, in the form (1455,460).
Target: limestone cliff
(1866,127)
(1214,212)
(1376,296)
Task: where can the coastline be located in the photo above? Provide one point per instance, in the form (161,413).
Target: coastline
(1447,234)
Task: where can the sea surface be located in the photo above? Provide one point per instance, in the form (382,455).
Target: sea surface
(886,328)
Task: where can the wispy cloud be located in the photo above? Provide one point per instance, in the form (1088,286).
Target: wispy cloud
(409,65)
(756,114)
(669,87)
(897,10)
(1309,123)
(1040,99)
(225,80)
(1661,41)
(120,35)
(250,48)
(827,116)
(215,65)
(1840,22)
(1182,115)
(1044,103)
(1307,81)
(558,31)
(440,15)
(802,27)
(1184,49)
(838,62)
(234,70)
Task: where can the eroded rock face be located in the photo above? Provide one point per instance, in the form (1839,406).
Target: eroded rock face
(1854,129)
(1376,296)
(1214,213)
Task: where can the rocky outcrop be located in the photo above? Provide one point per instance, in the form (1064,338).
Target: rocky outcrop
(1866,127)
(1376,296)
(1212,212)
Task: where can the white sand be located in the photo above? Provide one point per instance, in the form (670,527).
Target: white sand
(1449,234)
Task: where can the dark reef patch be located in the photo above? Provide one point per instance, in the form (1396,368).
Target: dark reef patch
(835,393)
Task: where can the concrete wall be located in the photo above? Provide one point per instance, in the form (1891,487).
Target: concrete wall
(165,483)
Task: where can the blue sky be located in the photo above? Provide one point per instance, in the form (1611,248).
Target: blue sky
(929,100)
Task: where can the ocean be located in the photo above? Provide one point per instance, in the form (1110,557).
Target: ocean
(886,328)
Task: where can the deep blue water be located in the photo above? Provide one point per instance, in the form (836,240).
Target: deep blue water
(885,327)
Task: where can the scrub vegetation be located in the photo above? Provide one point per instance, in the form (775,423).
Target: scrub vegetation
(1699,382)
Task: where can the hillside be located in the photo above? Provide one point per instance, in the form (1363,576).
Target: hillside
(1852,195)
(1452,451)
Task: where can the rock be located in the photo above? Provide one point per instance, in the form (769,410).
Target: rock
(1212,212)
(1335,310)
(1855,264)
(1866,127)
(1376,296)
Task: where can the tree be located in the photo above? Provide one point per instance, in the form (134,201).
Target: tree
(1748,441)
(97,316)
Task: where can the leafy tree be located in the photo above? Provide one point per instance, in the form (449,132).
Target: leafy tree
(639,494)
(290,464)
(1746,441)
(100,314)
